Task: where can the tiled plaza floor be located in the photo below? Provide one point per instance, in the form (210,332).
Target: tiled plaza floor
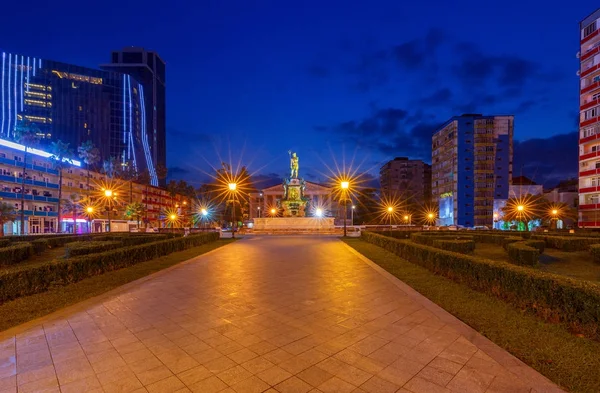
(265,314)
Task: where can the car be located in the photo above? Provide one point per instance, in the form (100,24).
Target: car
(452,228)
(481,228)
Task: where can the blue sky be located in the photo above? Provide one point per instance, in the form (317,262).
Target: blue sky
(335,81)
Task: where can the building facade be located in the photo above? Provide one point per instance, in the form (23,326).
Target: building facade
(407,180)
(471,167)
(74,104)
(41,196)
(589,121)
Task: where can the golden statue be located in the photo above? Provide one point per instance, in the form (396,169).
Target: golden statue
(294,165)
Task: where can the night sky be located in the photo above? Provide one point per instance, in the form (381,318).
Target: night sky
(336,82)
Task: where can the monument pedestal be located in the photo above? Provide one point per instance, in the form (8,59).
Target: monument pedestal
(294,225)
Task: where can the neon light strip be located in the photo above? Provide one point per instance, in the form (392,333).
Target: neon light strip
(34,66)
(124,110)
(130,114)
(15,90)
(131,146)
(145,144)
(40,65)
(41,153)
(3,60)
(8,96)
(28,74)
(22,96)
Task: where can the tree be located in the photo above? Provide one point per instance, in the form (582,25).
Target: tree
(172,188)
(27,134)
(135,209)
(90,155)
(525,209)
(7,214)
(161,173)
(73,205)
(111,167)
(60,158)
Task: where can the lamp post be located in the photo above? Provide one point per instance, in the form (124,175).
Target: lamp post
(232,189)
(520,209)
(273,212)
(555,218)
(345,185)
(204,214)
(495,220)
(390,211)
(352,211)
(89,210)
(430,218)
(109,195)
(173,219)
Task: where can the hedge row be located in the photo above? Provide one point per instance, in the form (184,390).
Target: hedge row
(15,254)
(552,297)
(83,248)
(565,243)
(14,284)
(520,253)
(4,242)
(461,244)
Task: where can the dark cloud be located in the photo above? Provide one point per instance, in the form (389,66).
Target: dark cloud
(177,171)
(440,97)
(547,160)
(261,181)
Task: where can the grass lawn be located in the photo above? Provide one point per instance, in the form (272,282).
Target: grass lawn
(573,264)
(27,308)
(569,361)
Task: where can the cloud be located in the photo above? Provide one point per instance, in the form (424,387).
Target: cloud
(261,180)
(547,160)
(440,97)
(177,171)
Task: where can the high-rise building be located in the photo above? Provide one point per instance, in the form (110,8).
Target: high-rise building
(589,122)
(406,180)
(148,69)
(75,104)
(471,167)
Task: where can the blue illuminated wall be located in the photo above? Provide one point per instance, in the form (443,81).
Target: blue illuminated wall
(75,104)
(465,173)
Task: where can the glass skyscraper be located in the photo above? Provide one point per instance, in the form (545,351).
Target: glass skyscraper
(117,111)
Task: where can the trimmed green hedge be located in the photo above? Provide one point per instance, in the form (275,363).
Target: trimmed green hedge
(522,254)
(83,248)
(550,296)
(40,245)
(595,250)
(565,243)
(509,240)
(458,243)
(4,242)
(15,254)
(17,283)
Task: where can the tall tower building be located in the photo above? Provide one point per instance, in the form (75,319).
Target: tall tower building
(407,180)
(589,122)
(118,110)
(471,167)
(148,69)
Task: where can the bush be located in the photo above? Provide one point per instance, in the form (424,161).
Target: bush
(83,248)
(459,246)
(550,296)
(509,240)
(539,245)
(4,242)
(40,245)
(568,244)
(15,253)
(17,283)
(595,250)
(522,254)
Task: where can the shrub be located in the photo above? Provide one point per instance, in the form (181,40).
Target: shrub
(568,244)
(595,250)
(15,253)
(509,240)
(83,248)
(4,242)
(522,254)
(459,246)
(539,245)
(22,282)
(550,296)
(40,245)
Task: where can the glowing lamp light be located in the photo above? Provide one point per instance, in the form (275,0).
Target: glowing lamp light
(345,185)
(354,207)
(89,209)
(172,216)
(232,186)
(520,208)
(319,213)
(495,216)
(406,217)
(430,215)
(204,212)
(390,209)
(108,193)
(272,211)
(555,212)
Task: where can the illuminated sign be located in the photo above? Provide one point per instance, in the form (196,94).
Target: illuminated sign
(446,195)
(36,152)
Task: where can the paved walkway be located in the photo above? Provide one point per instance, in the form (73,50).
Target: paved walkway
(265,314)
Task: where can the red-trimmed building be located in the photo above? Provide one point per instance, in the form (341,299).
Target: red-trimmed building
(589,122)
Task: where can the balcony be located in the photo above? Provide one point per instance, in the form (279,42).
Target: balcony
(589,37)
(17,180)
(589,88)
(589,155)
(27,197)
(590,70)
(585,190)
(589,104)
(589,206)
(588,122)
(589,138)
(590,53)
(589,172)
(19,164)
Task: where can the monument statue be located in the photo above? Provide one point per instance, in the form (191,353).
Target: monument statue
(294,202)
(293,165)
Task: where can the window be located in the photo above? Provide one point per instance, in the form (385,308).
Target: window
(589,29)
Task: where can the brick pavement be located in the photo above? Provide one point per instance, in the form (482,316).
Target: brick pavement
(265,314)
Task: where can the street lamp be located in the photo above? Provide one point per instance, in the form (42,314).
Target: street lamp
(345,185)
(204,213)
(319,212)
(390,211)
(90,211)
(352,211)
(273,212)
(109,195)
(232,189)
(495,220)
(555,218)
